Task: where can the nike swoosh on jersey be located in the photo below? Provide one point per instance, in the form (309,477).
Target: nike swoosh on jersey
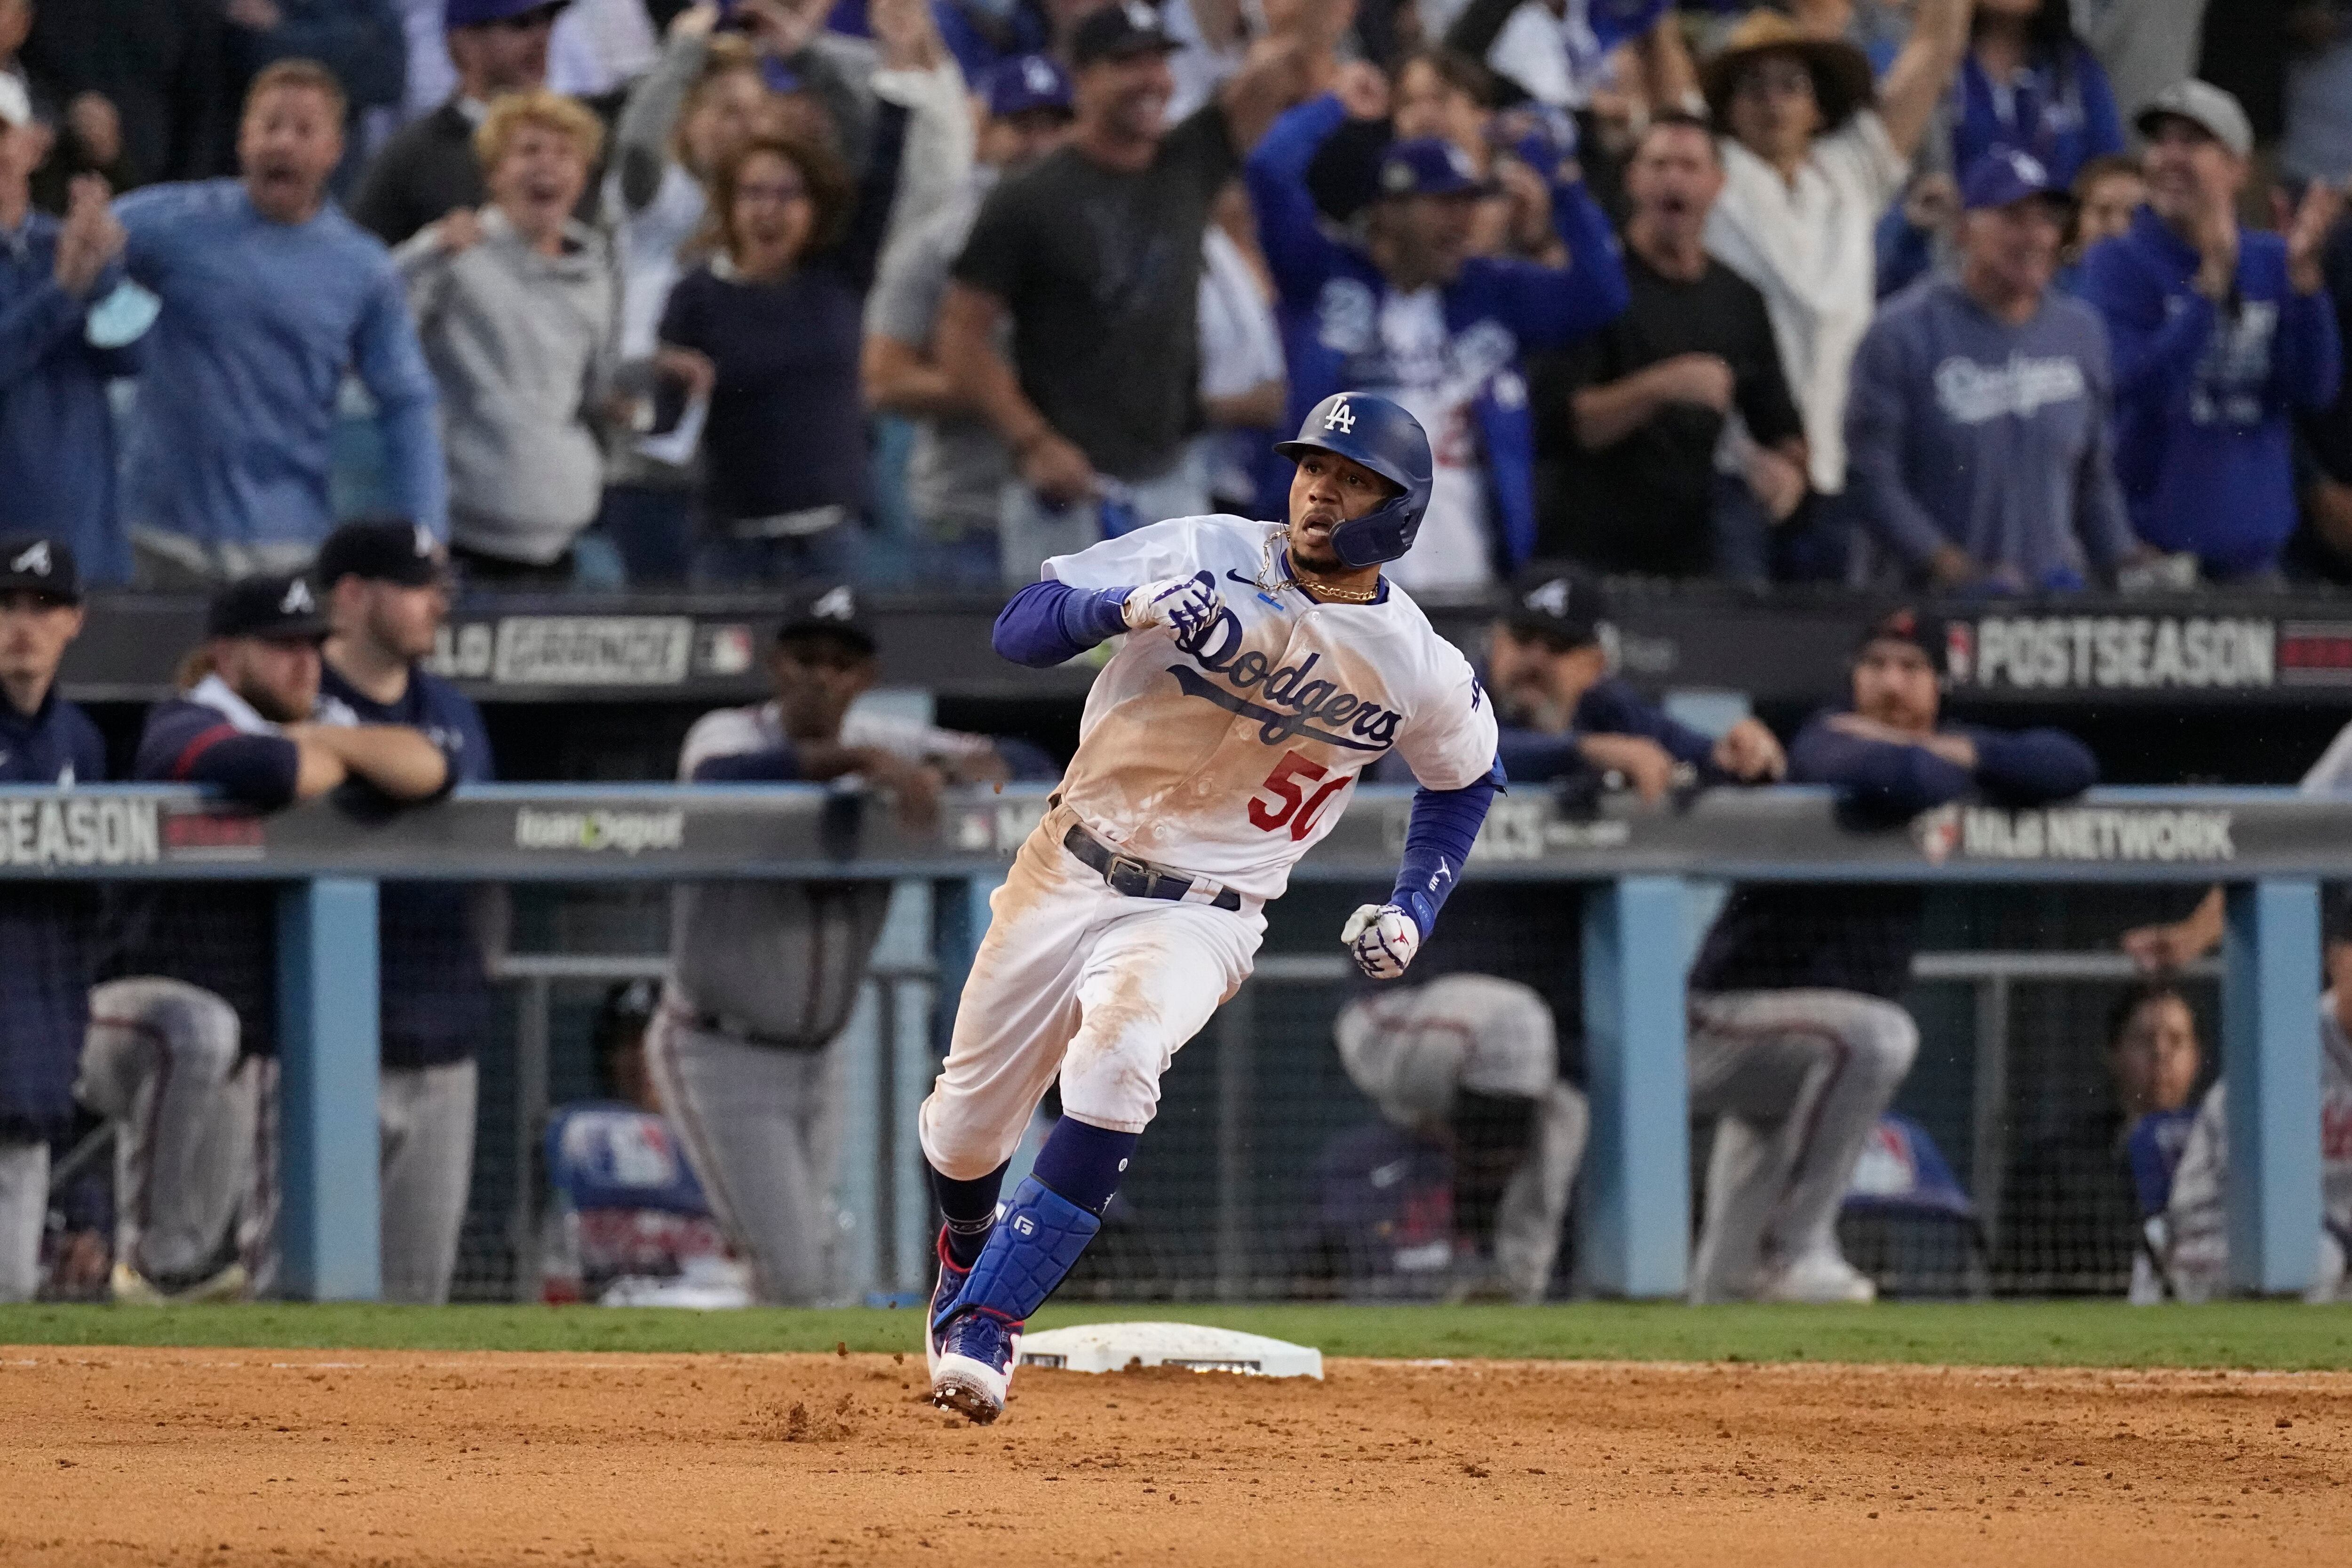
(1195,684)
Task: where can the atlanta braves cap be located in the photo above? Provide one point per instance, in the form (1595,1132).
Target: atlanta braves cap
(381,550)
(32,564)
(836,612)
(1566,608)
(277,606)
(1907,624)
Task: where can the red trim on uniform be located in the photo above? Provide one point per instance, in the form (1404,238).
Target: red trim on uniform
(196,748)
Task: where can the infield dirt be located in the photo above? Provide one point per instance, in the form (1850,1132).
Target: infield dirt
(242,1456)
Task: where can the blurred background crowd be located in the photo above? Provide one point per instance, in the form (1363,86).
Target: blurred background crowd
(2009,296)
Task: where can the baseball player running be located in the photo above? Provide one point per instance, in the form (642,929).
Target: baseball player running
(183,1044)
(745,1047)
(1798,1037)
(1263,666)
(385,590)
(45,958)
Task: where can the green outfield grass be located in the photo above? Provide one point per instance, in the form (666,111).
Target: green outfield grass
(2279,1336)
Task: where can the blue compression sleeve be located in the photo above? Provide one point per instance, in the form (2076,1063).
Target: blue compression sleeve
(1052,623)
(1437,840)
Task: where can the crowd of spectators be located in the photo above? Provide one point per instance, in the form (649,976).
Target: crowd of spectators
(1996,296)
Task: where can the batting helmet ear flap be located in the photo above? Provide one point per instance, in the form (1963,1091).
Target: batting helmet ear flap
(1367,428)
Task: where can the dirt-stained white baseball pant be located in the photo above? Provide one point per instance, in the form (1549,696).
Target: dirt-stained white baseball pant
(424,1118)
(1411,1050)
(1076,980)
(24,1212)
(192,1144)
(1797,1080)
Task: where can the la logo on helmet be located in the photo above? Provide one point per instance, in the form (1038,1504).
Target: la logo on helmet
(1342,419)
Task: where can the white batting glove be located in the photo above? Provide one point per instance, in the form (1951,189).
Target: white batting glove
(1381,939)
(1183,604)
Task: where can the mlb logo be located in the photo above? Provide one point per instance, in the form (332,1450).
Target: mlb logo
(1937,833)
(1960,651)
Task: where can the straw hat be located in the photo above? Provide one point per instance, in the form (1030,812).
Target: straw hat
(1841,72)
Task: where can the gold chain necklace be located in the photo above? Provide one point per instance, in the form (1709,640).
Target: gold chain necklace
(1268,580)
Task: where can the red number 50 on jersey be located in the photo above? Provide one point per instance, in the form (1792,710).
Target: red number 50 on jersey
(1293,807)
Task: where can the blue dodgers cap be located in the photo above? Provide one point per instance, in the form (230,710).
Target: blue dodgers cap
(2005,176)
(456,14)
(1429,166)
(1025,84)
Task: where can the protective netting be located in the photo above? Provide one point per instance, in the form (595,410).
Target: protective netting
(1271,1172)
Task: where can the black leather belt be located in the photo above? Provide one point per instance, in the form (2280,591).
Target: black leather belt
(1134,878)
(735,1029)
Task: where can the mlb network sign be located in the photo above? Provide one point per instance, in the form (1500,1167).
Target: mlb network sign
(2075,833)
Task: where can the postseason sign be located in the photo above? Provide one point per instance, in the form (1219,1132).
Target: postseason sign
(2112,653)
(63,831)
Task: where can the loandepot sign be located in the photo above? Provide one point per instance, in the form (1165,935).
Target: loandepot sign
(50,834)
(626,832)
(2075,833)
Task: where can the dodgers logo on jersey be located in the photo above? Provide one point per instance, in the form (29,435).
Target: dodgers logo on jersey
(1288,703)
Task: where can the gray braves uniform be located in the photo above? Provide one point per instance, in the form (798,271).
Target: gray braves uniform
(1413,1051)
(194,1121)
(2197,1256)
(746,1046)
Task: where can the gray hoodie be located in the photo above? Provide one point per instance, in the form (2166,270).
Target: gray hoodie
(522,345)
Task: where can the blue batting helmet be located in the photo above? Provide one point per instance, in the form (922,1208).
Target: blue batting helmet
(1367,428)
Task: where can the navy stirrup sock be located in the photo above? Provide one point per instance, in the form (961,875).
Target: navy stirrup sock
(1084,1162)
(969,1209)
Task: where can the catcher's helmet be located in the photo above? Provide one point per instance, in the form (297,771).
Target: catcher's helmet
(1367,428)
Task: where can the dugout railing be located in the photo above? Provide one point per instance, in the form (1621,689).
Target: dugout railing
(1640,868)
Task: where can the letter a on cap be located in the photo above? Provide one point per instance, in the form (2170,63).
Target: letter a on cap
(35,559)
(1342,419)
(297,600)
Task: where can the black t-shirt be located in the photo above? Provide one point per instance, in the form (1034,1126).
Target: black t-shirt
(1644,504)
(1101,272)
(787,426)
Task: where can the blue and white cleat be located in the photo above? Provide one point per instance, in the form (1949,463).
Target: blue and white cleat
(977,1350)
(944,1291)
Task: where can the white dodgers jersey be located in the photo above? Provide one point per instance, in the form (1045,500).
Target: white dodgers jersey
(1229,752)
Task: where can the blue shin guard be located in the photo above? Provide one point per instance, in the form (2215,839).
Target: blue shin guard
(1036,1241)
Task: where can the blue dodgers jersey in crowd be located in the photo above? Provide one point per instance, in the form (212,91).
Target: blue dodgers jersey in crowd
(1328,299)
(437,999)
(244,367)
(2203,396)
(220,935)
(56,429)
(1965,430)
(1861,938)
(45,958)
